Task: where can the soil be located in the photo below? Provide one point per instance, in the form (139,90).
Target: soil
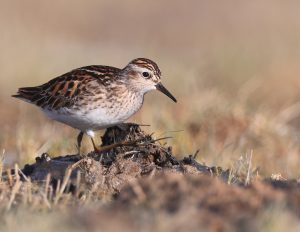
(140,155)
(145,179)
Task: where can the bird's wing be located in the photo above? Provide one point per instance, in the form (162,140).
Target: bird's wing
(67,89)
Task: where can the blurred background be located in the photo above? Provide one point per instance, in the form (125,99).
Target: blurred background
(232,65)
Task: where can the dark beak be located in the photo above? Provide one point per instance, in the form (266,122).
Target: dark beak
(162,89)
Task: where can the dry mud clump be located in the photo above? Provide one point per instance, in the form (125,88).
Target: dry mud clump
(140,156)
(147,184)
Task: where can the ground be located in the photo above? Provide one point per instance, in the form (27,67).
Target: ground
(143,186)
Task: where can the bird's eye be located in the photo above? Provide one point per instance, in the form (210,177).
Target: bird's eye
(146,74)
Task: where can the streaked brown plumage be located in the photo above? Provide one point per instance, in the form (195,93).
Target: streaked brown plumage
(96,97)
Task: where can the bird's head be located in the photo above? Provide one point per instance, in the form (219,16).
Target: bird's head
(143,75)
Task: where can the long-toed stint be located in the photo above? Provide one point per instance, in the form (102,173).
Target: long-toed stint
(96,97)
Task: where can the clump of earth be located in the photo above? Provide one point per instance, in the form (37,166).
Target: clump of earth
(146,180)
(141,156)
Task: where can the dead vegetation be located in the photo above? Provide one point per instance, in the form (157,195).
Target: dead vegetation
(146,184)
(118,166)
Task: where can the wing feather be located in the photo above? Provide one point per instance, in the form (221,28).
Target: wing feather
(65,90)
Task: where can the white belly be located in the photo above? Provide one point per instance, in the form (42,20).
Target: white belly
(94,119)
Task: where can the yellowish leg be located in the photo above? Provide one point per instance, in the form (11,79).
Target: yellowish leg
(94,145)
(111,146)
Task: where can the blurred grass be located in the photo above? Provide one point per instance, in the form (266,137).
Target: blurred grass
(233,66)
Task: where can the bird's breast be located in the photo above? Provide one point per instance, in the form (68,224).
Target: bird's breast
(126,106)
(114,111)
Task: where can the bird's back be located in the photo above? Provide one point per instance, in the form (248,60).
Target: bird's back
(67,89)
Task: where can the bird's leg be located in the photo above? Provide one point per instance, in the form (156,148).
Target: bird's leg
(111,146)
(92,135)
(96,149)
(79,140)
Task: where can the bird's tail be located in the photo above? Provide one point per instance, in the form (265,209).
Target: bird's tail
(28,94)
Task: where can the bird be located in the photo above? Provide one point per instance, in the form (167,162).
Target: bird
(96,97)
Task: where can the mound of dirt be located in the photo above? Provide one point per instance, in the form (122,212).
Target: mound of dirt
(139,155)
(149,185)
